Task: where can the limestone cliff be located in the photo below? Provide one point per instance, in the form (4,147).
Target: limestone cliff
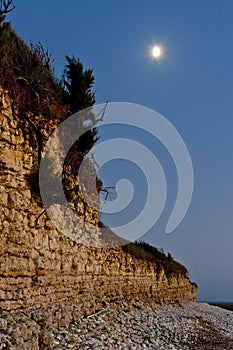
(42,269)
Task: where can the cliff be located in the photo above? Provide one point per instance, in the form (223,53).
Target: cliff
(49,275)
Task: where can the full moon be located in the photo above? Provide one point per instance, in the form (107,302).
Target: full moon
(156,52)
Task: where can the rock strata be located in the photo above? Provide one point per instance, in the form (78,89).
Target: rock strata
(49,276)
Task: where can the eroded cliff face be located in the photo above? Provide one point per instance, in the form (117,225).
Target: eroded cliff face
(42,269)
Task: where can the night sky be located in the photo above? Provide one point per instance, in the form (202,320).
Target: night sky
(191,85)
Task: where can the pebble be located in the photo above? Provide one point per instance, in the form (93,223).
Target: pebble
(150,326)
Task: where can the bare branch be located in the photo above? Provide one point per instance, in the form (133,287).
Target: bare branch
(37,219)
(107,191)
(100,115)
(6,6)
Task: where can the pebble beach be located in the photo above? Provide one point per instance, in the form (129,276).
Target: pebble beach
(144,325)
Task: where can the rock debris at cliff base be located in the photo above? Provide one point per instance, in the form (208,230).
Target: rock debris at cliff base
(137,325)
(149,326)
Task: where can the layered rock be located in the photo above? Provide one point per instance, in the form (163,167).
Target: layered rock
(42,269)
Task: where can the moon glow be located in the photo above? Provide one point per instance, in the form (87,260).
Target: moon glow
(156,52)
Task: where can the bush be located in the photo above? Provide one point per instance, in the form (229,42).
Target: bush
(26,72)
(145,251)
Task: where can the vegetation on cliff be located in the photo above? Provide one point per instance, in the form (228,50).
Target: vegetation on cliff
(144,251)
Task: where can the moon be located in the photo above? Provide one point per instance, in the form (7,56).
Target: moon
(156,52)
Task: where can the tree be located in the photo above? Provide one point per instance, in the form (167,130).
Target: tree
(78,84)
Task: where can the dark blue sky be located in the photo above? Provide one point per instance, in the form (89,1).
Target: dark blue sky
(192,86)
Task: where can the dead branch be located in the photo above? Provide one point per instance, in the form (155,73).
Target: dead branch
(106,190)
(37,219)
(100,115)
(6,6)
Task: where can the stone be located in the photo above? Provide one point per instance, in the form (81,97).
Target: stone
(46,341)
